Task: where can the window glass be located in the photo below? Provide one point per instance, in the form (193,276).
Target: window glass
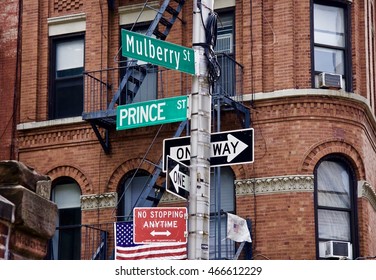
(329,60)
(225,53)
(66,242)
(66,195)
(333,185)
(222,193)
(330,39)
(69,58)
(130,192)
(334,225)
(335,203)
(66,91)
(329,25)
(225,33)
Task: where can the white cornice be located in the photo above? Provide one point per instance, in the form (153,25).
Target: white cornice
(98,201)
(272,185)
(365,190)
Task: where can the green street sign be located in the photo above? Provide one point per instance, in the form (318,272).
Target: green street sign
(158,52)
(153,112)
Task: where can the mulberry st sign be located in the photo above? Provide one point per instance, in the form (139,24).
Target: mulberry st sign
(153,112)
(158,52)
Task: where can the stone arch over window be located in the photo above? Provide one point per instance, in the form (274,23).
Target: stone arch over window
(317,152)
(74,173)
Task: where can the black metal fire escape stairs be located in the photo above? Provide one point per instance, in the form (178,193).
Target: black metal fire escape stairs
(135,74)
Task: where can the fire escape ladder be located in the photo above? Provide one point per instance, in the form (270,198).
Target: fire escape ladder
(135,74)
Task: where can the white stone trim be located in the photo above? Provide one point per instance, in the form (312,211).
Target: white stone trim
(365,190)
(97,201)
(220,4)
(273,185)
(131,13)
(66,24)
(42,124)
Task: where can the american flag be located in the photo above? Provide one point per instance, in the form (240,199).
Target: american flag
(125,249)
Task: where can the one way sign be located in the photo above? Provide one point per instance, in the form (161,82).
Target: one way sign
(227,148)
(177,178)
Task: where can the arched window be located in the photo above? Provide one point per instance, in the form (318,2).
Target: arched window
(335,205)
(66,243)
(130,191)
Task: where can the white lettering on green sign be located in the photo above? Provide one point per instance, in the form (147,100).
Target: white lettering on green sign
(141,114)
(152,112)
(157,52)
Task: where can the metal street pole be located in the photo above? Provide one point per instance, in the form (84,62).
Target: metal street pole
(199,199)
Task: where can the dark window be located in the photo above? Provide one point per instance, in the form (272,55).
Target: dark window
(66,243)
(130,191)
(225,54)
(335,200)
(331,40)
(66,76)
(222,200)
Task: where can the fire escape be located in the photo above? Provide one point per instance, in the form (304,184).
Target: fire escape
(101,98)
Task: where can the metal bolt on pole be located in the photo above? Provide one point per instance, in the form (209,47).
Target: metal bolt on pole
(199,199)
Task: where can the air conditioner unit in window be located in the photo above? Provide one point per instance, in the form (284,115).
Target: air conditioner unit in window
(338,249)
(328,80)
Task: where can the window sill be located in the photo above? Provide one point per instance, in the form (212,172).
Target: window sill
(42,124)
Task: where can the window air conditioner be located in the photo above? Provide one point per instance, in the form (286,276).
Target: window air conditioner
(327,80)
(338,249)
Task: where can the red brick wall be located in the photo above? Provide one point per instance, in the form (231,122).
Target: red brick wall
(8,61)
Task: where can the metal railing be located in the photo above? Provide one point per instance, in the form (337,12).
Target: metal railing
(75,242)
(230,83)
(101,85)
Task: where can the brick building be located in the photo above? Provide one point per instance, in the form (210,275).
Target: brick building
(300,73)
(9,67)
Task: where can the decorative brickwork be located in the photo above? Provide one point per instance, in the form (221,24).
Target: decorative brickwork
(329,147)
(74,173)
(96,201)
(55,137)
(124,168)
(273,185)
(368,192)
(67,5)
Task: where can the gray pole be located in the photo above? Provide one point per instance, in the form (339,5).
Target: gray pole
(199,198)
